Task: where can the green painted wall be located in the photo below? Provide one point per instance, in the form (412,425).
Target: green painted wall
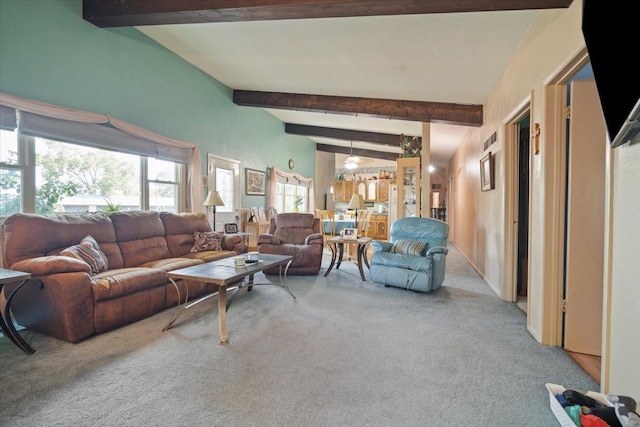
(49,53)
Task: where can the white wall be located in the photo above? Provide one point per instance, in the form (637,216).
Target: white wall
(553,41)
(478,223)
(623,347)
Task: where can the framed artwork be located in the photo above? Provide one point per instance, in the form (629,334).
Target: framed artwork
(231,228)
(486,173)
(254,182)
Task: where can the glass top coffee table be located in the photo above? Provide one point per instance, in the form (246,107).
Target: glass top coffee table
(224,274)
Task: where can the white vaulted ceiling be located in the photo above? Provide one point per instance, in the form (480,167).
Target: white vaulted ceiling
(447,57)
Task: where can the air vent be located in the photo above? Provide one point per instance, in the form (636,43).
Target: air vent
(493,138)
(436,186)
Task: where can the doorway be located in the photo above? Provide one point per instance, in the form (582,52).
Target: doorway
(522,251)
(224,177)
(517,194)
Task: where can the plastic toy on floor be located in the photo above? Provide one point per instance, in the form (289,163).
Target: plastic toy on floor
(626,410)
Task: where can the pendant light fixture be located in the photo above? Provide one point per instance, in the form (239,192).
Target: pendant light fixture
(352,161)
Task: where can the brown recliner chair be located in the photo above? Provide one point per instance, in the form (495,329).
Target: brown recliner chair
(298,235)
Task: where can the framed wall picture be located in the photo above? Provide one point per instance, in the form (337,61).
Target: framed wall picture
(254,182)
(486,173)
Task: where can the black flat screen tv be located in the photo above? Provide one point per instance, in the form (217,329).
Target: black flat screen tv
(610,30)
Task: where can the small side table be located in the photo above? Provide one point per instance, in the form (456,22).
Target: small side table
(336,244)
(6,277)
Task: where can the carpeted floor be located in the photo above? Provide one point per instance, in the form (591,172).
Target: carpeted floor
(344,353)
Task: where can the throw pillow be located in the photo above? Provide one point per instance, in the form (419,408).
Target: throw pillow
(207,241)
(88,251)
(410,247)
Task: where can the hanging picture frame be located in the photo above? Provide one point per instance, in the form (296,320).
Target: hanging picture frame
(254,182)
(487,172)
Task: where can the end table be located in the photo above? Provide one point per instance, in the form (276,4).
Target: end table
(10,276)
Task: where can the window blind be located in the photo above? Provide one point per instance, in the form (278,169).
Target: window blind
(7,118)
(102,136)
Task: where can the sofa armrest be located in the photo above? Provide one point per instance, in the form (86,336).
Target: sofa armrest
(380,246)
(268,239)
(46,265)
(437,250)
(233,242)
(229,240)
(314,239)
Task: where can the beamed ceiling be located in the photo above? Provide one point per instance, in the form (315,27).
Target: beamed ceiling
(348,74)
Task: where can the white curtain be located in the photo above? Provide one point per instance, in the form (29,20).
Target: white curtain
(195,198)
(276,174)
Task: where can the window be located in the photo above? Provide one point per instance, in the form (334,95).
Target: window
(287,194)
(56,159)
(164,179)
(11,172)
(76,178)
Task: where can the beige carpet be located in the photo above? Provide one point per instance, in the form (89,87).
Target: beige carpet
(344,353)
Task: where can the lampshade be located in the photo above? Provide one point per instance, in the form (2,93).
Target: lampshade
(356,202)
(213,199)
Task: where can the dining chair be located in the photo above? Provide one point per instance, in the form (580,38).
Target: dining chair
(363,223)
(328,225)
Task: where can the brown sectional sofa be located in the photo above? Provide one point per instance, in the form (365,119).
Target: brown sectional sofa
(66,302)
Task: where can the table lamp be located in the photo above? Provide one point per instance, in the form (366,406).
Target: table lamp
(213,199)
(356,202)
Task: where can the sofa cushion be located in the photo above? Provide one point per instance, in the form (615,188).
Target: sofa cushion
(208,256)
(124,281)
(140,237)
(169,264)
(179,228)
(410,262)
(409,247)
(88,251)
(32,235)
(207,241)
(294,227)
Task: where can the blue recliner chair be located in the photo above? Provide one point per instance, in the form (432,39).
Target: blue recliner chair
(414,258)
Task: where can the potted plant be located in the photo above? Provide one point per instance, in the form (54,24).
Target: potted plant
(297,203)
(411,146)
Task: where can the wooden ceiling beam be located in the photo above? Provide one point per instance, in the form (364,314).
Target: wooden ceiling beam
(343,134)
(384,155)
(128,13)
(417,111)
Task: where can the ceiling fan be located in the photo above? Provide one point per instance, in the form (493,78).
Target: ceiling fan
(352,161)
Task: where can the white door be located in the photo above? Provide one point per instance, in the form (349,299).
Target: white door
(584,282)
(224,177)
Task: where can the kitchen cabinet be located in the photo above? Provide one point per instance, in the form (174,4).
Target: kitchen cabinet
(371,190)
(409,191)
(342,191)
(378,227)
(383,190)
(361,189)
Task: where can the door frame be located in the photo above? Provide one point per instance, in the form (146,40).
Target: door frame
(553,158)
